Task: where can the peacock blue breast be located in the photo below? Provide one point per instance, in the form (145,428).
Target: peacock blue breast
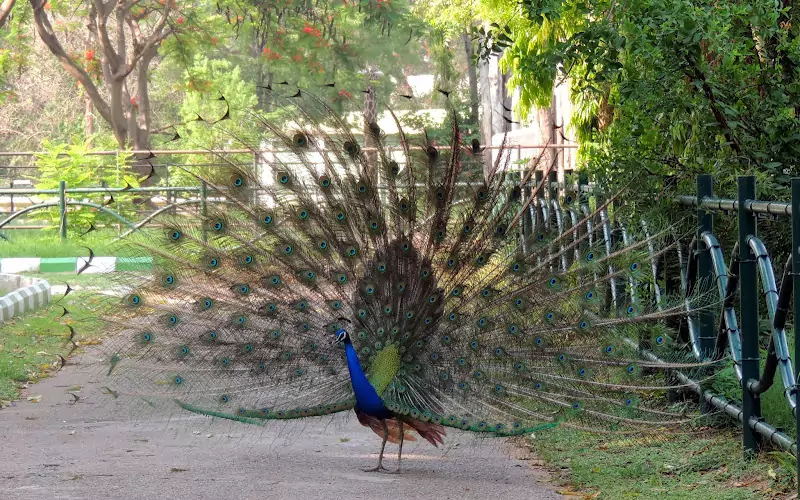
(367,399)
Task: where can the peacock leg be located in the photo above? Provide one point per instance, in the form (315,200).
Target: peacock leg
(400,453)
(383,447)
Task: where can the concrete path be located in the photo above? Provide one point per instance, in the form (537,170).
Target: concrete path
(61,449)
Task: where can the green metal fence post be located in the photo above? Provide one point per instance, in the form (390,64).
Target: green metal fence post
(538,219)
(748,307)
(796,283)
(707,333)
(552,178)
(62,210)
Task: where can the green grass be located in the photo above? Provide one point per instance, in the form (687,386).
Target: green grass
(30,344)
(705,464)
(47,244)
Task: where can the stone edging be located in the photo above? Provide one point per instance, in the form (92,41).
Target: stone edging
(28,294)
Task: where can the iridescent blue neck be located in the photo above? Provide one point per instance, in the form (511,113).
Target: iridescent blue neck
(367,399)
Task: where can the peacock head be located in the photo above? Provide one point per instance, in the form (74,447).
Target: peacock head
(341,333)
(342,336)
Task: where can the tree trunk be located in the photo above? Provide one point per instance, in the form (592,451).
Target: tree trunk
(88,113)
(472,75)
(5,11)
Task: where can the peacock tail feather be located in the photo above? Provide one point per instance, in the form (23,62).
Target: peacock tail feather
(460,317)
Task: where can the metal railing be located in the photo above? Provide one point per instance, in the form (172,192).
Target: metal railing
(735,330)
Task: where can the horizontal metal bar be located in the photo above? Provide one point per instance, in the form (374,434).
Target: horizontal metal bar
(784,441)
(18,191)
(754,206)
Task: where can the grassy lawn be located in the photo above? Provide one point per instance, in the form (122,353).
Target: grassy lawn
(30,345)
(29,349)
(705,464)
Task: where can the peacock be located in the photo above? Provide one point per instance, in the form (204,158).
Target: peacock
(405,281)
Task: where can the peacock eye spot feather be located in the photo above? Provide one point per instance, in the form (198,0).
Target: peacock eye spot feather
(175,235)
(267,220)
(248,259)
(394,168)
(299,140)
(539,341)
(147,337)
(133,299)
(168,280)
(213,263)
(409,315)
(224,398)
(218,226)
(284,179)
(590,256)
(288,249)
(634,266)
(303,214)
(276,334)
(178,380)
(340,216)
(452,317)
(362,313)
(467,228)
(609,349)
(428,321)
(324,182)
(659,340)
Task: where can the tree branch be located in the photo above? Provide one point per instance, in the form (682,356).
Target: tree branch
(5,10)
(45,31)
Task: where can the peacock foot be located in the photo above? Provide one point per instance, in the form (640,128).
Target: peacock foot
(377,468)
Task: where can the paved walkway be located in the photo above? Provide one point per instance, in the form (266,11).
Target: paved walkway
(60,449)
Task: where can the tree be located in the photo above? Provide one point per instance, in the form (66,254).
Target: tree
(663,86)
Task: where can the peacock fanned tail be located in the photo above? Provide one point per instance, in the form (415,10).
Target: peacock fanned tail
(459,317)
